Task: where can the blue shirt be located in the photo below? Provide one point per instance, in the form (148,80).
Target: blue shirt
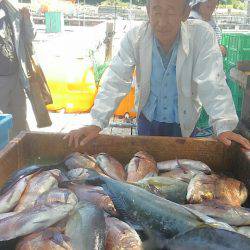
(162,104)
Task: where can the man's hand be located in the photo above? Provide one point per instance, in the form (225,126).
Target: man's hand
(228,137)
(25,13)
(75,137)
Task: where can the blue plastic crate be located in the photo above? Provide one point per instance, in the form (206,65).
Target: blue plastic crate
(6,123)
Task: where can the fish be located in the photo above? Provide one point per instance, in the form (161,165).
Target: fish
(111,167)
(182,174)
(121,236)
(139,207)
(207,238)
(92,228)
(78,160)
(244,231)
(95,195)
(228,191)
(5,215)
(73,230)
(49,239)
(11,198)
(39,184)
(33,219)
(140,166)
(168,188)
(61,195)
(32,169)
(79,174)
(166,166)
(234,216)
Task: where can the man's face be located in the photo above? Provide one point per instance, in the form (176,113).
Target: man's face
(207,9)
(165,17)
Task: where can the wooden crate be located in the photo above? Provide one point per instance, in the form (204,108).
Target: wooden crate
(32,148)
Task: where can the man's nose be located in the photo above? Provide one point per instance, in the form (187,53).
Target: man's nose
(163,23)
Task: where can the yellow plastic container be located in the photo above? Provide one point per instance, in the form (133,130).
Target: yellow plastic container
(72,85)
(127,105)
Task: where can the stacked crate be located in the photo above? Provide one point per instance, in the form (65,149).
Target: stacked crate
(238,49)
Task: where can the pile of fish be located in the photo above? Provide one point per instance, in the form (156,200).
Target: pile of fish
(89,202)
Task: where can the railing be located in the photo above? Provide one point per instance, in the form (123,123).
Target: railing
(224,21)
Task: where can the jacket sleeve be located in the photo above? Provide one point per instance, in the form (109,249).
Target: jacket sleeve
(116,84)
(213,91)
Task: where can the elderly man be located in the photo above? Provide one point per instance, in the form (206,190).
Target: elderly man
(16,30)
(178,69)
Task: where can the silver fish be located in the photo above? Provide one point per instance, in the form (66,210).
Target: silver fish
(73,230)
(165,166)
(234,216)
(58,195)
(48,239)
(111,167)
(78,160)
(207,238)
(86,228)
(33,219)
(168,188)
(10,199)
(121,236)
(39,184)
(244,231)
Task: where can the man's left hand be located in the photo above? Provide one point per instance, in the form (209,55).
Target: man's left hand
(25,13)
(228,137)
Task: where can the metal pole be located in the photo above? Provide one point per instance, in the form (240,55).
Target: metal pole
(115,14)
(130,9)
(248,8)
(78,13)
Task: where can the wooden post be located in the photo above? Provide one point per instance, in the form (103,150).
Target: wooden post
(109,41)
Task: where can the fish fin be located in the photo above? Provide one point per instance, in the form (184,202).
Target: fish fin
(210,221)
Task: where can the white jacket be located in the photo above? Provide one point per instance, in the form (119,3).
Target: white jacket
(200,78)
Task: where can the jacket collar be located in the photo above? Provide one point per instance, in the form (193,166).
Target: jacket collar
(185,38)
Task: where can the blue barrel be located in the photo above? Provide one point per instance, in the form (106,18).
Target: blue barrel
(6,123)
(54,22)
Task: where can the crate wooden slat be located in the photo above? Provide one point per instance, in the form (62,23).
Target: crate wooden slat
(35,148)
